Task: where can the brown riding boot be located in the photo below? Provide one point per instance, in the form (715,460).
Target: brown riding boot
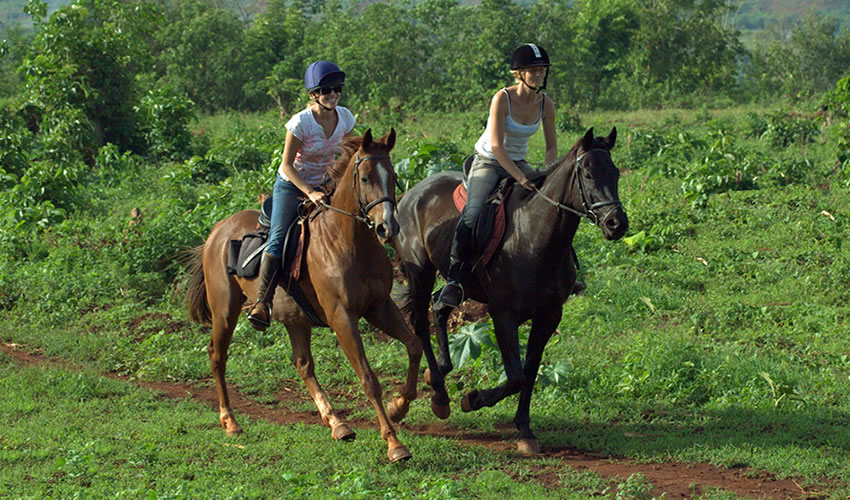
(261,314)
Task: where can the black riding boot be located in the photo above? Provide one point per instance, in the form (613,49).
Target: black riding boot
(451,295)
(260,315)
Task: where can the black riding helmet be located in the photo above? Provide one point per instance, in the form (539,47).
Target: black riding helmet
(528,55)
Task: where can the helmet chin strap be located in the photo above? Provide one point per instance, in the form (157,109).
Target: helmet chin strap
(322,105)
(536,89)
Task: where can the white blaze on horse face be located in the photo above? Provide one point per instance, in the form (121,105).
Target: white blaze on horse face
(384,177)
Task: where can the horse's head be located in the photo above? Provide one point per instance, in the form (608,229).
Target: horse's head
(596,186)
(374,184)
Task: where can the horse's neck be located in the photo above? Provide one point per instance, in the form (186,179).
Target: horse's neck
(552,225)
(344,227)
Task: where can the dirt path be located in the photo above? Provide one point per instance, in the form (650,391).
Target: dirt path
(677,480)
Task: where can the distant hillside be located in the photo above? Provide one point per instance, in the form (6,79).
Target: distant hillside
(12,12)
(751,16)
(756,15)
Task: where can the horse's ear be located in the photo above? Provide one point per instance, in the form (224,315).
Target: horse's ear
(391,139)
(612,138)
(367,140)
(587,140)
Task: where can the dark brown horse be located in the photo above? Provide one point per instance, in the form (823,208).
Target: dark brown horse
(348,276)
(529,277)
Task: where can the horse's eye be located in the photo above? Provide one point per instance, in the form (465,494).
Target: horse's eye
(364,179)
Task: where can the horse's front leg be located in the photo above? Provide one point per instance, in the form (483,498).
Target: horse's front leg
(299,332)
(345,325)
(505,327)
(542,328)
(388,318)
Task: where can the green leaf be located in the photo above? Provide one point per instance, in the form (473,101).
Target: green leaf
(466,343)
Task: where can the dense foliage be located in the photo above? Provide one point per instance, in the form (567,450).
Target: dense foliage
(128,128)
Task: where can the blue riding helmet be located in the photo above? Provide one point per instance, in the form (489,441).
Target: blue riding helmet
(322,74)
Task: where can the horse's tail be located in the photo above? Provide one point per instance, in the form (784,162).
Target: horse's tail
(196,293)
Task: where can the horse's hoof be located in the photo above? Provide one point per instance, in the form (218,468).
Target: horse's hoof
(342,432)
(440,411)
(528,446)
(427,376)
(397,410)
(230,426)
(400,453)
(465,404)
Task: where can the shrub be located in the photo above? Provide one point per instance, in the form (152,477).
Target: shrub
(429,158)
(722,168)
(164,115)
(784,129)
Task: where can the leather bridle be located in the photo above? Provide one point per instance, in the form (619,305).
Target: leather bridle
(363,208)
(588,207)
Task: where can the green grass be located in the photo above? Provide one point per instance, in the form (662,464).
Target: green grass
(712,333)
(70,433)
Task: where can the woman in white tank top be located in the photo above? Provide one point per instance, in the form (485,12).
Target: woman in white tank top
(516,113)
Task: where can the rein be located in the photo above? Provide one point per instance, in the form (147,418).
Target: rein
(364,209)
(588,210)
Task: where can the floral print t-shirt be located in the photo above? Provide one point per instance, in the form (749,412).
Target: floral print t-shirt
(317,151)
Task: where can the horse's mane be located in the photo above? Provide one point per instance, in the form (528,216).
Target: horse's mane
(573,150)
(349,146)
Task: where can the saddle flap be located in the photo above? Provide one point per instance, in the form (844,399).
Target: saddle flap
(467,166)
(266,213)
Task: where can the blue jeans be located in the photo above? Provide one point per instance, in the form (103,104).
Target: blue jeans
(285,201)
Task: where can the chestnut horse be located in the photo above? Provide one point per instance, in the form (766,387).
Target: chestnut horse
(348,276)
(529,277)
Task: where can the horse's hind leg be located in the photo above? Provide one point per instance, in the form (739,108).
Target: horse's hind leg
(302,357)
(420,283)
(389,319)
(345,326)
(225,306)
(505,327)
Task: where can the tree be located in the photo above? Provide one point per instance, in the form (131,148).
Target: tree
(202,55)
(81,68)
(274,56)
(803,62)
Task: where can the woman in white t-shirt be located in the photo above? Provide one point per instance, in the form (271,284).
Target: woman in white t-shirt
(313,137)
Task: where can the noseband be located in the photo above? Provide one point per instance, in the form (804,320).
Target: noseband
(589,208)
(363,208)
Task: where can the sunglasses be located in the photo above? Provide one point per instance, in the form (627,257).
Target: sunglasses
(328,90)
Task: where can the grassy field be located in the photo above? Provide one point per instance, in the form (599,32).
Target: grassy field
(714,333)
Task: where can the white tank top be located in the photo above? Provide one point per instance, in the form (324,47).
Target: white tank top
(516,135)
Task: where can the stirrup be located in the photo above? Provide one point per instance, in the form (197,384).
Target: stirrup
(259,322)
(454,290)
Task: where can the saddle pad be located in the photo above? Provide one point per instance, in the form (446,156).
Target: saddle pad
(248,251)
(498,232)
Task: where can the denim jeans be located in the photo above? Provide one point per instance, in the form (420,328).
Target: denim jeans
(484,175)
(285,201)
